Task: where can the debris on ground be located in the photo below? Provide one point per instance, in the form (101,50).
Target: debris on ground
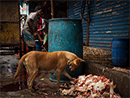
(90,86)
(102,57)
(97,55)
(122,69)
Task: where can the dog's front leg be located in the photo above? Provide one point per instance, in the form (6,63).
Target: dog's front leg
(67,75)
(58,76)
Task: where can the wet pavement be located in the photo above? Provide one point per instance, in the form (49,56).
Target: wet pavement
(11,88)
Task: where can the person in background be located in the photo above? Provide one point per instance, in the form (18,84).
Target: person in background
(22,17)
(29,31)
(43,31)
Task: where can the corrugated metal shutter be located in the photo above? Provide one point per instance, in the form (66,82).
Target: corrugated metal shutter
(74,12)
(109,19)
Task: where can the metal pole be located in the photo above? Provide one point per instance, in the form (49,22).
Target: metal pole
(52,9)
(67,8)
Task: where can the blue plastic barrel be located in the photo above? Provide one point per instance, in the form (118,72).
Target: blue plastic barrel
(120,52)
(66,35)
(38,46)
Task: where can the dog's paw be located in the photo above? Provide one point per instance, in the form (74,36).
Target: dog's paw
(35,89)
(31,90)
(73,79)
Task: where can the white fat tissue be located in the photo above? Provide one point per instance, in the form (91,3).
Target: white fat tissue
(92,86)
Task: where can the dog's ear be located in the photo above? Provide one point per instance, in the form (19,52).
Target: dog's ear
(77,61)
(81,60)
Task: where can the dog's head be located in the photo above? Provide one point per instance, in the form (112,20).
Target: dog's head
(75,63)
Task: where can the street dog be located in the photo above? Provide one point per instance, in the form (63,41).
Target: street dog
(35,60)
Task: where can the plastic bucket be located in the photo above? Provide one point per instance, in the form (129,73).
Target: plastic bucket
(38,46)
(120,52)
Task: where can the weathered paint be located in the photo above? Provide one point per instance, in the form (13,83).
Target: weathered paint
(9,33)
(9,23)
(66,35)
(109,19)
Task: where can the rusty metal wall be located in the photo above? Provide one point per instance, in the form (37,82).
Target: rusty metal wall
(108,19)
(10,27)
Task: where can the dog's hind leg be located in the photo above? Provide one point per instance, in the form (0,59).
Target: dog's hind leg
(33,75)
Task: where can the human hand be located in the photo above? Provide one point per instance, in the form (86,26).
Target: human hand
(39,29)
(43,44)
(35,34)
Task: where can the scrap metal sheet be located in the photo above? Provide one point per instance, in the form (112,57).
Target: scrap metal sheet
(10,27)
(10,33)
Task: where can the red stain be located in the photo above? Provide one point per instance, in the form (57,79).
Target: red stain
(14,87)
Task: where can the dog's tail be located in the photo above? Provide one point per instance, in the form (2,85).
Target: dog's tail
(20,65)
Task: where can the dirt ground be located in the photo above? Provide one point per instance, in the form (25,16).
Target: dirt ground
(10,88)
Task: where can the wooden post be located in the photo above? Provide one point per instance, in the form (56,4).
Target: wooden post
(88,22)
(52,9)
(129,28)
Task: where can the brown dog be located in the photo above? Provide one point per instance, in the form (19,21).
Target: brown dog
(47,61)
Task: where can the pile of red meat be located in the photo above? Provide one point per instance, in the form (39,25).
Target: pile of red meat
(92,87)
